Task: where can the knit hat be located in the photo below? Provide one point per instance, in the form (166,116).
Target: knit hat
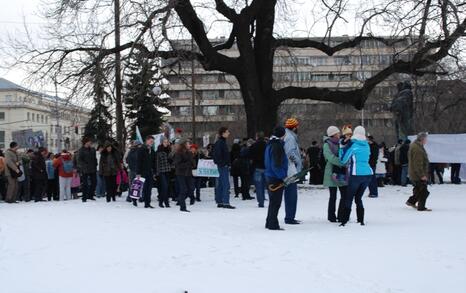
(194,146)
(347,129)
(332,130)
(279,132)
(291,123)
(359,133)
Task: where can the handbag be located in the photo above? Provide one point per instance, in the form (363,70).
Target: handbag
(15,174)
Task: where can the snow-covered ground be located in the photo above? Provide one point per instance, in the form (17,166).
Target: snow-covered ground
(71,247)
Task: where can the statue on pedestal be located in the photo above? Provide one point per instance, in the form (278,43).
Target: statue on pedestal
(402,109)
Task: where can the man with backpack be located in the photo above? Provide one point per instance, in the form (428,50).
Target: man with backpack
(64,164)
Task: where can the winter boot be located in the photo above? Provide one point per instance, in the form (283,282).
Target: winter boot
(360,215)
(345,214)
(161,204)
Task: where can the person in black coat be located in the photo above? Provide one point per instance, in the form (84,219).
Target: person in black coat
(146,168)
(242,168)
(257,154)
(404,149)
(184,164)
(315,173)
(235,172)
(374,155)
(39,174)
(86,163)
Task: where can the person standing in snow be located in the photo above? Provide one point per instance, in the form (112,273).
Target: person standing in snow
(64,164)
(419,172)
(295,165)
(163,172)
(221,158)
(313,153)
(109,166)
(39,174)
(184,164)
(404,149)
(374,155)
(146,168)
(381,168)
(335,175)
(256,153)
(276,170)
(356,154)
(86,162)
(12,172)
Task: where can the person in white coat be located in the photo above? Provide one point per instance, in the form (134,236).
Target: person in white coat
(381,169)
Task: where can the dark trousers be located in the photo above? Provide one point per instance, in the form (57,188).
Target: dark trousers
(332,201)
(162,187)
(147,189)
(373,186)
(275,201)
(455,173)
(111,186)
(185,184)
(291,202)
(88,184)
(52,189)
(40,186)
(245,185)
(3,184)
(356,187)
(236,185)
(420,194)
(195,188)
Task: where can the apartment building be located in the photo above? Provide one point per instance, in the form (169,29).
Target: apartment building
(218,99)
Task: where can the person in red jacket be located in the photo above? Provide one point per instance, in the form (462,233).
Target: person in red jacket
(64,164)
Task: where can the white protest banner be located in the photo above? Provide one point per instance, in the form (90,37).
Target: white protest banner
(445,148)
(207,168)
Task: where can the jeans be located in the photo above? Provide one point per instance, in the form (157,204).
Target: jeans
(147,189)
(88,183)
(404,175)
(185,184)
(222,186)
(373,187)
(259,183)
(100,188)
(195,186)
(274,206)
(356,187)
(65,188)
(332,201)
(163,187)
(291,202)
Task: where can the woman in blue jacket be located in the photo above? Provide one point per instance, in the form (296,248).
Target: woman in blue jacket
(276,169)
(356,155)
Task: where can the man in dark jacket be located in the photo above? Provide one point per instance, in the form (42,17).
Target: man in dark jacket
(313,153)
(221,158)
(146,168)
(256,153)
(86,162)
(374,148)
(39,173)
(404,162)
(419,172)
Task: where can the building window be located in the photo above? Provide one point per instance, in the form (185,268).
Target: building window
(29,116)
(8,98)
(46,119)
(2,116)
(33,117)
(42,118)
(185,111)
(210,110)
(2,139)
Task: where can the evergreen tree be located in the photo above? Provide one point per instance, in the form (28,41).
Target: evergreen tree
(99,126)
(143,106)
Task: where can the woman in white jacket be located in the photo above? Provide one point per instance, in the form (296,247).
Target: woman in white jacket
(381,169)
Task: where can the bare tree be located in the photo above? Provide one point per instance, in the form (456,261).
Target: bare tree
(428,28)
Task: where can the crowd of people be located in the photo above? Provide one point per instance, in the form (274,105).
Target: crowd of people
(349,163)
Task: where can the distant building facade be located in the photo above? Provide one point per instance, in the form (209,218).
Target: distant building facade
(26,111)
(218,99)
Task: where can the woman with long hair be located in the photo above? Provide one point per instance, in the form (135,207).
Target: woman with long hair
(108,168)
(184,164)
